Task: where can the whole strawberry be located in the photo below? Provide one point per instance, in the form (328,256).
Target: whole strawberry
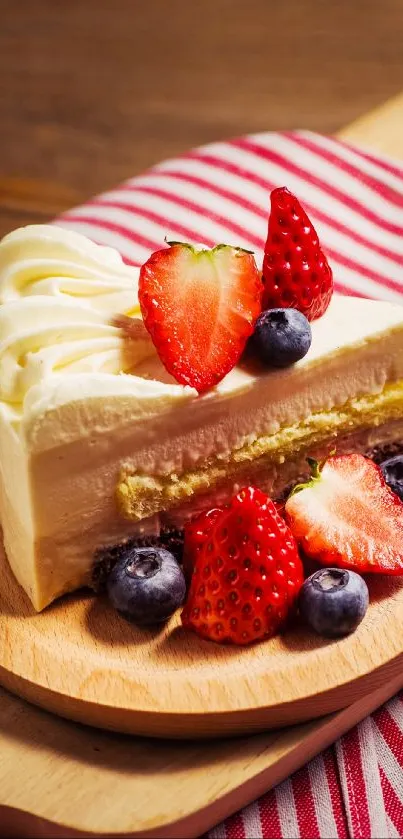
(247,572)
(296,273)
(347,516)
(196,533)
(199,307)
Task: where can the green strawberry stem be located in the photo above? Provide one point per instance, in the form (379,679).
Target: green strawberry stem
(206,250)
(182,244)
(315,476)
(315,468)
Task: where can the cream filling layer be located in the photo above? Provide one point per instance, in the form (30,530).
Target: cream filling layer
(50,561)
(140,496)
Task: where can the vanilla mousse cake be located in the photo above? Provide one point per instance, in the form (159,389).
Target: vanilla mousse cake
(98,444)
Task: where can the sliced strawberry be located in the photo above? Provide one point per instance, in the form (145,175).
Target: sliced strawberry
(247,574)
(196,533)
(348,517)
(200,307)
(296,273)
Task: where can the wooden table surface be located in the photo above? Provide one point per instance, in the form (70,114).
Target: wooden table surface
(94,91)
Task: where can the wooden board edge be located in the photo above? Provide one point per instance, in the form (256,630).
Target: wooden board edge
(184,726)
(304,750)
(232,796)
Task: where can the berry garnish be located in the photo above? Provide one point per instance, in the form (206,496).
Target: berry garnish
(348,517)
(199,307)
(296,273)
(333,601)
(392,471)
(247,574)
(281,337)
(146,585)
(196,533)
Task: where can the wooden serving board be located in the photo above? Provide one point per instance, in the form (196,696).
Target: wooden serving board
(58,778)
(81,660)
(53,774)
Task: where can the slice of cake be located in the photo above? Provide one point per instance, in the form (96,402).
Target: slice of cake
(99,443)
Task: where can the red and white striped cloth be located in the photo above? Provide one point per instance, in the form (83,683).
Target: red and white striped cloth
(354,789)
(220,193)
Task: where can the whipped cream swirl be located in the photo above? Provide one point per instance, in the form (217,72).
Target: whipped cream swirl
(43,259)
(59,293)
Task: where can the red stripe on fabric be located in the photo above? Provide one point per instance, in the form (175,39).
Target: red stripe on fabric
(388,166)
(330,764)
(163,221)
(203,211)
(352,292)
(234,827)
(364,271)
(151,245)
(269,817)
(191,234)
(126,232)
(305,805)
(377,186)
(356,789)
(231,168)
(393,804)
(246,175)
(279,159)
(357,238)
(212,187)
(323,218)
(390,731)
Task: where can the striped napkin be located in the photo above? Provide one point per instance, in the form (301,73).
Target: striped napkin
(220,193)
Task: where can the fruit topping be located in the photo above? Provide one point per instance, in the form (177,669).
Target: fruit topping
(333,601)
(392,471)
(146,585)
(106,558)
(296,273)
(347,516)
(199,307)
(281,337)
(247,573)
(196,533)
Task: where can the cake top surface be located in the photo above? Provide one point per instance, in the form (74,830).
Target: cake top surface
(59,293)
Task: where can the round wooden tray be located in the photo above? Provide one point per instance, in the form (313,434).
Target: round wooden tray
(81,660)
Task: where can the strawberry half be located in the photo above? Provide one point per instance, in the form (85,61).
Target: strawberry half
(296,273)
(199,307)
(247,572)
(348,517)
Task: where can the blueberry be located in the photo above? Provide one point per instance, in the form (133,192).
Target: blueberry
(333,601)
(392,470)
(281,337)
(146,585)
